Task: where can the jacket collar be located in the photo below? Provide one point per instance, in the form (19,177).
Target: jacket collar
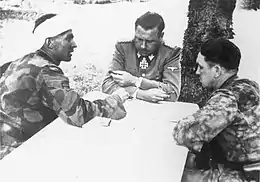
(46,56)
(228,81)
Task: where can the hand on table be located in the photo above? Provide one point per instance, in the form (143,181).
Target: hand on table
(123,78)
(153,95)
(115,107)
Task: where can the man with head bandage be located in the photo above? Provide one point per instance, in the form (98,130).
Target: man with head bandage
(50,30)
(34,90)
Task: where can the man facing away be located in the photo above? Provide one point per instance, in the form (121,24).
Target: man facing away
(145,67)
(228,126)
(34,91)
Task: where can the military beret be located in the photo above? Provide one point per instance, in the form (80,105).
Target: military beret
(221,51)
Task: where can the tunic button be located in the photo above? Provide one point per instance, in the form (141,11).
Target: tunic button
(143,75)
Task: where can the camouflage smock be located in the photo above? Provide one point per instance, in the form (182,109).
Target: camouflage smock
(231,116)
(34,92)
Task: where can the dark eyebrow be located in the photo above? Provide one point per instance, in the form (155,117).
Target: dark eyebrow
(70,36)
(139,38)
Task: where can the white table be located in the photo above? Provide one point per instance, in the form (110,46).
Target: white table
(138,148)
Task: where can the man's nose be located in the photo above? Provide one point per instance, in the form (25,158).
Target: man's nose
(143,44)
(73,44)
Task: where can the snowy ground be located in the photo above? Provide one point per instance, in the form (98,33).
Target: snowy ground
(98,27)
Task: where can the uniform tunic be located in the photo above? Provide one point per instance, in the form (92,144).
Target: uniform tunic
(34,92)
(164,68)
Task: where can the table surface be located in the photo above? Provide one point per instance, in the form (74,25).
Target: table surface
(138,148)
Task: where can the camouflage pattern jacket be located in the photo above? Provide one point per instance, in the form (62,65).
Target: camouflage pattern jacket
(164,68)
(34,92)
(231,116)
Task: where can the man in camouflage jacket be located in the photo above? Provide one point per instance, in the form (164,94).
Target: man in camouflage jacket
(145,67)
(34,91)
(228,126)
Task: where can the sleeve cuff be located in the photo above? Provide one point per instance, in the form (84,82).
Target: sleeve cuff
(139,82)
(134,94)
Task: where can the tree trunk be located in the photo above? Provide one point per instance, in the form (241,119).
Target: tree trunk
(206,19)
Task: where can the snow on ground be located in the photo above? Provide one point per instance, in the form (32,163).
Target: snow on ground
(98,27)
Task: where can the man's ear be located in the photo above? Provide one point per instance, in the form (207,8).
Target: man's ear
(49,43)
(218,70)
(161,35)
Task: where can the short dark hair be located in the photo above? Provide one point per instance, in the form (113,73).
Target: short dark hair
(150,20)
(221,51)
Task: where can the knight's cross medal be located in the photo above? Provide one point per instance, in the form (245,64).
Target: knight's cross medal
(144,64)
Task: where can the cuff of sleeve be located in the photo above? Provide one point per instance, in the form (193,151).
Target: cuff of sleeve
(134,94)
(139,82)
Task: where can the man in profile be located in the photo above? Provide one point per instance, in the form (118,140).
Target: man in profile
(227,128)
(34,90)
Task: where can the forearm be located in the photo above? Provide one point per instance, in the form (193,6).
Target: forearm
(206,123)
(109,86)
(68,105)
(172,90)
(76,111)
(185,137)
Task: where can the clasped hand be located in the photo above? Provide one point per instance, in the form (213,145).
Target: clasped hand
(123,78)
(154,95)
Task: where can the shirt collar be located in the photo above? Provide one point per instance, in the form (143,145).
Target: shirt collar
(151,56)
